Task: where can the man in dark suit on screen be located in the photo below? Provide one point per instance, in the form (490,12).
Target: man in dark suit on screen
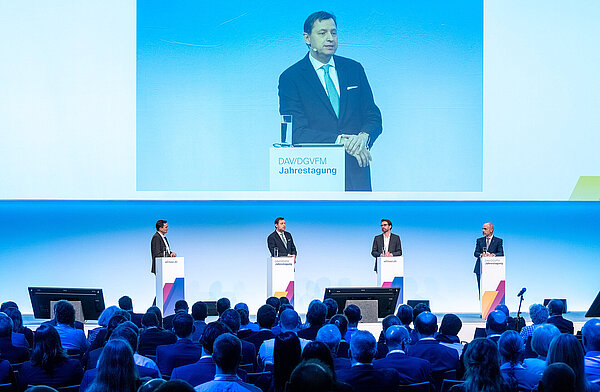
(330,100)
(386,244)
(488,245)
(159,246)
(280,242)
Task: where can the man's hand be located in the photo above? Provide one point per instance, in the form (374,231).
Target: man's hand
(363,157)
(357,143)
(173,254)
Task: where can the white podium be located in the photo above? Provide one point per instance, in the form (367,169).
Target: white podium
(492,291)
(390,273)
(280,277)
(320,167)
(170,283)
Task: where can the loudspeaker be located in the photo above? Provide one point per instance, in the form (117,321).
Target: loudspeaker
(413,302)
(563,300)
(594,310)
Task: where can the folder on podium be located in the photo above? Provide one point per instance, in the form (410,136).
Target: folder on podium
(492,290)
(170,283)
(390,273)
(280,277)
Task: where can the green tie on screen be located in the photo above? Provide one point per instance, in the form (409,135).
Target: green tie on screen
(334,97)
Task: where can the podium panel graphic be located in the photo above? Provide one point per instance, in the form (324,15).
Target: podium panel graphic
(493,282)
(280,277)
(170,283)
(390,273)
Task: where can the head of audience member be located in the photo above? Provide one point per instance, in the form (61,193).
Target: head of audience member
(6,326)
(7,305)
(40,388)
(426,324)
(199,311)
(312,375)
(232,319)
(274,302)
(266,316)
(450,325)
(538,314)
(242,305)
(341,322)
(211,332)
(557,377)
(504,309)
(126,303)
(175,386)
(567,349)
(16,317)
(127,332)
(47,349)
(397,338)
(116,370)
(64,313)
(222,305)
(405,314)
(288,321)
(332,307)
(149,320)
(286,356)
(330,335)
(244,318)
(496,323)
(591,335)
(227,353)
(555,307)
(285,307)
(420,308)
(542,336)
(512,351)
(352,313)
(482,367)
(284,301)
(114,322)
(317,311)
(106,315)
(181,306)
(388,321)
(318,350)
(183,325)
(158,313)
(363,347)
(151,385)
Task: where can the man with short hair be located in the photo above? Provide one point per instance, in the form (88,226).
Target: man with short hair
(591,342)
(382,348)
(126,304)
(222,305)
(440,357)
(362,376)
(199,314)
(556,309)
(332,308)
(331,336)
(152,336)
(180,306)
(448,335)
(266,319)
(280,242)
(495,325)
(485,246)
(159,246)
(315,316)
(8,351)
(352,313)
(288,323)
(405,314)
(330,100)
(183,351)
(312,375)
(386,244)
(232,319)
(558,377)
(72,339)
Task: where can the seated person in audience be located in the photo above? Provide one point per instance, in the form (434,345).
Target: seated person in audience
(266,318)
(6,372)
(222,305)
(448,334)
(100,331)
(91,357)
(557,377)
(126,304)
(441,358)
(511,322)
(277,328)
(289,323)
(411,369)
(184,351)
(231,318)
(538,314)
(246,326)
(591,342)
(54,323)
(152,336)
(482,368)
(181,306)
(512,352)
(330,336)
(276,303)
(312,375)
(363,376)
(72,339)
(315,316)
(417,310)
(8,351)
(49,364)
(116,371)
(319,351)
(352,313)
(556,309)
(204,369)
(341,322)
(332,308)
(567,349)
(495,325)
(286,356)
(199,314)
(227,351)
(18,327)
(382,348)
(540,343)
(157,312)
(405,314)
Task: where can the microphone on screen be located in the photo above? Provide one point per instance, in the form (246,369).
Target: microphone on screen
(523,290)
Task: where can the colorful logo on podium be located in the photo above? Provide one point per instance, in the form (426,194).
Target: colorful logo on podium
(172,292)
(491,299)
(288,293)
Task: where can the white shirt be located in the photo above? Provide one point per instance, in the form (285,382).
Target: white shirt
(321,72)
(386,243)
(140,360)
(166,243)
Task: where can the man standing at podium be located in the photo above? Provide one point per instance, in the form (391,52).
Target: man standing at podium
(486,246)
(159,246)
(280,242)
(386,244)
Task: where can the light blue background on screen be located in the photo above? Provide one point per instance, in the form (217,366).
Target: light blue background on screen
(551,248)
(207,90)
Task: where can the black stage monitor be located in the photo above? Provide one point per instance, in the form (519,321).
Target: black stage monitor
(92,300)
(563,300)
(386,297)
(594,310)
(414,302)
(211,308)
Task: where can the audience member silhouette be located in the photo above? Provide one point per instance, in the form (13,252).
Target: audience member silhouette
(199,314)
(330,336)
(288,323)
(556,310)
(72,339)
(341,322)
(440,357)
(448,334)
(126,304)
(512,353)
(180,306)
(482,368)
(332,308)
(352,313)
(286,356)
(232,319)
(591,342)
(116,371)
(8,351)
(405,315)
(315,316)
(222,305)
(266,318)
(567,349)
(312,375)
(557,377)
(540,343)
(538,314)
(495,325)
(152,336)
(183,351)
(18,327)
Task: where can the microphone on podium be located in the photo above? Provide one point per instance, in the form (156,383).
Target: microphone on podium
(523,290)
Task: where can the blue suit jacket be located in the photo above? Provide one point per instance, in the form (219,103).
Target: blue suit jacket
(302,95)
(366,378)
(183,352)
(411,369)
(439,356)
(197,373)
(495,248)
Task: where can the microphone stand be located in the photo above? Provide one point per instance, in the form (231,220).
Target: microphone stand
(519,315)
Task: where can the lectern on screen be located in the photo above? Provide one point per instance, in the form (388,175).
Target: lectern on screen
(92,300)
(386,297)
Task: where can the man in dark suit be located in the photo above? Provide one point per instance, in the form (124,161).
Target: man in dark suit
(315,316)
(331,336)
(180,306)
(159,246)
(386,244)
(440,357)
(488,245)
(8,351)
(184,351)
(280,242)
(232,319)
(266,319)
(126,304)
(330,100)
(556,309)
(151,336)
(495,325)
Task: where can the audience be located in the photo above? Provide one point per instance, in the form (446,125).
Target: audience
(330,336)
(332,308)
(183,351)
(222,305)
(158,314)
(556,309)
(482,368)
(557,377)
(405,315)
(591,342)
(288,323)
(246,326)
(6,372)
(540,343)
(15,315)
(199,314)
(181,306)
(352,313)
(152,336)
(8,351)
(232,319)
(441,358)
(117,371)
(100,331)
(448,334)
(266,319)
(495,325)
(388,321)
(72,339)
(286,356)
(512,352)
(417,310)
(341,322)
(567,349)
(538,314)
(312,375)
(126,304)
(315,316)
